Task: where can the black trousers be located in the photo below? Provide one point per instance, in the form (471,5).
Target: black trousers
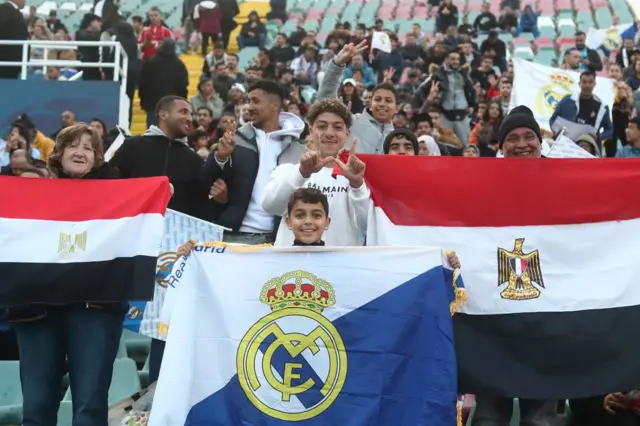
(205,41)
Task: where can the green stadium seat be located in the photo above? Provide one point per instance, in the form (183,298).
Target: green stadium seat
(246,56)
(137,345)
(546,57)
(10,393)
(65,414)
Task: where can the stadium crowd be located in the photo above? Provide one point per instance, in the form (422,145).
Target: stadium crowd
(237,150)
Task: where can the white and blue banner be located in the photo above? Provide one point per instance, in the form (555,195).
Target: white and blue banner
(315,336)
(144,317)
(610,39)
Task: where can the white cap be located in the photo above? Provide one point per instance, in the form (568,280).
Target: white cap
(350,81)
(238,86)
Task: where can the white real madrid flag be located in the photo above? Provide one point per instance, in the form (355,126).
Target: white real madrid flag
(610,39)
(380,40)
(541,88)
(315,336)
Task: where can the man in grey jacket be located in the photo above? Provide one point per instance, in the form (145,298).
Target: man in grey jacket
(375,123)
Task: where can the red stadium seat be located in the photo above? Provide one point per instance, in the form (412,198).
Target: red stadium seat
(543,43)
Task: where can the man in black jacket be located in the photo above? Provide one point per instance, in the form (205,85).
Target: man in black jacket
(161,151)
(245,160)
(90,31)
(12,27)
(590,58)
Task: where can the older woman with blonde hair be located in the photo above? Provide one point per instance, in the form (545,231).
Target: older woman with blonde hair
(85,334)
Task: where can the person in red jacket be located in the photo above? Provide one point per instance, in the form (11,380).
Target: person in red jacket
(151,37)
(209,22)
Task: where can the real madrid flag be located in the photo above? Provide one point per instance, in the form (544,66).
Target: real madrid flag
(314,336)
(541,88)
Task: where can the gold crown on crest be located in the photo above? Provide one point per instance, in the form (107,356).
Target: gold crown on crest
(561,78)
(298,289)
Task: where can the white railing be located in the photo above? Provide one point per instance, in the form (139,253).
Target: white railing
(120,64)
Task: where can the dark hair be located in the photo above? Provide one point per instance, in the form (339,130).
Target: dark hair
(579,33)
(434,109)
(386,86)
(219,64)
(569,50)
(418,118)
(587,73)
(485,115)
(451,51)
(25,120)
(401,133)
(105,129)
(166,103)
(207,109)
(308,196)
(269,87)
(136,18)
(283,35)
(202,82)
(69,135)
(333,106)
(218,45)
(232,54)
(25,132)
(195,135)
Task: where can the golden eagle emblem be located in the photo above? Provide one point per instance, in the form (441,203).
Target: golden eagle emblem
(519,270)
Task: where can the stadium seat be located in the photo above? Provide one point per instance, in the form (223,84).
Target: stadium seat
(124,381)
(245,56)
(566,27)
(137,345)
(523,52)
(546,26)
(546,57)
(65,413)
(10,393)
(542,43)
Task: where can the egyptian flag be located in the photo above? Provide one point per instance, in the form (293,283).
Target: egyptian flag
(550,253)
(65,240)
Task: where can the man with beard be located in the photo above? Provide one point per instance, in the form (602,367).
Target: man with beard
(347,194)
(67,118)
(244,160)
(162,151)
(590,58)
(375,123)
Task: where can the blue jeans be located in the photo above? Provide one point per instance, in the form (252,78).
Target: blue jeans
(151,118)
(533,30)
(155,359)
(89,339)
(251,42)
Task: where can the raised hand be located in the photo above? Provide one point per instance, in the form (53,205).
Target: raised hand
(388,75)
(226,146)
(349,51)
(311,163)
(186,248)
(354,168)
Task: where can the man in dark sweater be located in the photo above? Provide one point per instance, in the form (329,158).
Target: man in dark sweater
(281,52)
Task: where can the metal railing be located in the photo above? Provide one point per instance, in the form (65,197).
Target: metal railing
(120,64)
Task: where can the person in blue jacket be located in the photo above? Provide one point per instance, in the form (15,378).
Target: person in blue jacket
(528,22)
(585,108)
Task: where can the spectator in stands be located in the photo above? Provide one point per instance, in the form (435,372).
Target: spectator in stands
(632,149)
(227,123)
(253,32)
(19,137)
(505,94)
(207,97)
(281,52)
(358,63)
(305,67)
(623,57)
(393,60)
(308,40)
(33,15)
(412,52)
(492,117)
(39,32)
(349,96)
(585,108)
(453,92)
(452,38)
(590,58)
(508,21)
(375,122)
(217,56)
(222,81)
(447,16)
(276,138)
(101,130)
(466,29)
(153,35)
(54,24)
(485,21)
(229,10)
(162,152)
(236,99)
(90,31)
(12,27)
(233,70)
(634,79)
(67,119)
(82,337)
(209,23)
(482,72)
(468,55)
(19,160)
(330,122)
(471,151)
(615,72)
(136,23)
(572,59)
(39,141)
(621,113)
(263,61)
(528,22)
(495,48)
(204,120)
(252,75)
(442,134)
(163,75)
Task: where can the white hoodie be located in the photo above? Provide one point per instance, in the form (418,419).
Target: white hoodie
(348,207)
(269,149)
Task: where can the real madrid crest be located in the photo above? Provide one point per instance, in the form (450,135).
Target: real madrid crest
(292,363)
(560,85)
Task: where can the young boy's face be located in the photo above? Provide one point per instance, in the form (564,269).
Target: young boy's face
(330,134)
(308,222)
(401,146)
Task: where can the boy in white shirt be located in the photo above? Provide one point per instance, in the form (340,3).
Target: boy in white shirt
(348,195)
